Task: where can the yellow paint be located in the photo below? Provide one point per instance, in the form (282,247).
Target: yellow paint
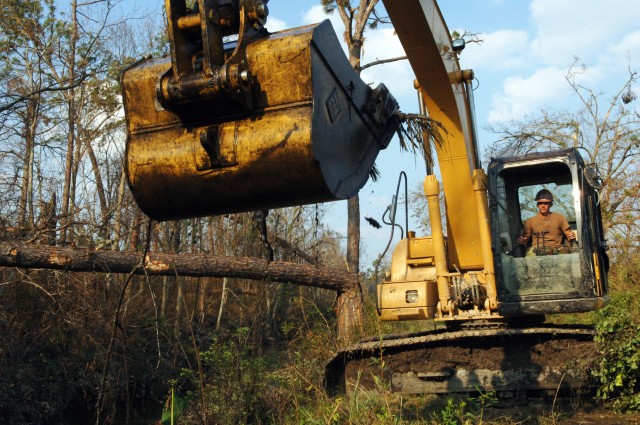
(425,36)
(596,267)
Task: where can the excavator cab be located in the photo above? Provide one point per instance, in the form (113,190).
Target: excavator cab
(239,119)
(543,280)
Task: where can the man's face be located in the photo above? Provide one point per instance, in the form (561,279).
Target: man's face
(544,206)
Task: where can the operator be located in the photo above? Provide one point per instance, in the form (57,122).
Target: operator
(547,229)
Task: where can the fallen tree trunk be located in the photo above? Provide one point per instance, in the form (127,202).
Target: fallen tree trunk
(349,310)
(197,265)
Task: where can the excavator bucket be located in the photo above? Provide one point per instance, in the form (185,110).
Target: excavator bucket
(309,133)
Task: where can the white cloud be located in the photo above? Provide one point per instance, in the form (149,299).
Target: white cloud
(580,28)
(316,14)
(275,24)
(604,38)
(522,96)
(397,76)
(503,49)
(621,53)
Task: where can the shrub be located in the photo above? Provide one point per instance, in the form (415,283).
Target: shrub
(618,339)
(230,386)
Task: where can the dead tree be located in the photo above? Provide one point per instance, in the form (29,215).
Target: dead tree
(345,283)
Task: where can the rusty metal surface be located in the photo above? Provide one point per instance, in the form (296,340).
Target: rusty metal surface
(311,134)
(201,68)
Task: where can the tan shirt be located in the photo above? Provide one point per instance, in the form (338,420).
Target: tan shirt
(547,231)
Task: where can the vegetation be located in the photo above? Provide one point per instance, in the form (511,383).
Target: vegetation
(618,327)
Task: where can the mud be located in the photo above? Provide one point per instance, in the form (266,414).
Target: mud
(557,411)
(523,358)
(493,353)
(574,410)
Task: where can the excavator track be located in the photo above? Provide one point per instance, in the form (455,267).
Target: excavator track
(545,358)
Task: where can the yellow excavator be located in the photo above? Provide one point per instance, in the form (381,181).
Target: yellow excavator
(240,119)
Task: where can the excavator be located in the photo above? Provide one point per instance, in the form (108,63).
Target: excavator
(240,119)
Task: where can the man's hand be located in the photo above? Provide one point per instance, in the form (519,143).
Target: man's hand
(522,240)
(574,246)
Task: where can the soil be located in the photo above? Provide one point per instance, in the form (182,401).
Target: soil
(494,353)
(570,403)
(518,411)
(568,356)
(560,411)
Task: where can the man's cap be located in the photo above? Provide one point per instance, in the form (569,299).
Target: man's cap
(545,195)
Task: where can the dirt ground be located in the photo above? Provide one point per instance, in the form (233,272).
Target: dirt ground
(518,411)
(558,412)
(600,418)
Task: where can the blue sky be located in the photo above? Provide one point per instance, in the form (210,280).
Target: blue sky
(527,49)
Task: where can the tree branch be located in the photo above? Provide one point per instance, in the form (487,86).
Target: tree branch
(380,62)
(51,88)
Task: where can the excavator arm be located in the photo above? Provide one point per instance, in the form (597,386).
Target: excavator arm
(427,43)
(453,277)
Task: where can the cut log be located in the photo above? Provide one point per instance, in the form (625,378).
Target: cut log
(349,304)
(20,255)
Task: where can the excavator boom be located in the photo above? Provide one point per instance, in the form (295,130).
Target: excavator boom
(427,44)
